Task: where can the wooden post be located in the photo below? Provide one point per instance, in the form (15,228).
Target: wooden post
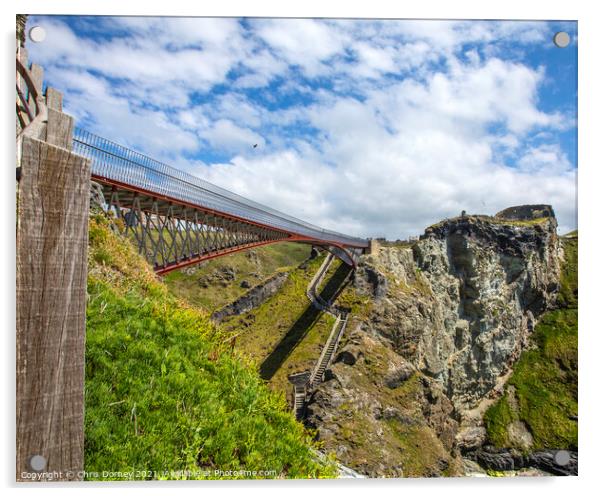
(37,75)
(52,241)
(22,55)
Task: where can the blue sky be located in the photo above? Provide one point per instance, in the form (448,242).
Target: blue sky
(367,127)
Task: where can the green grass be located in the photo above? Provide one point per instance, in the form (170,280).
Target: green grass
(546,382)
(358,305)
(519,223)
(163,390)
(497,419)
(285,334)
(253,266)
(568,294)
(545,377)
(332,270)
(420,448)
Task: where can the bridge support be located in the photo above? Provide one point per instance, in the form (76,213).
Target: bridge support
(172,235)
(52,241)
(374,247)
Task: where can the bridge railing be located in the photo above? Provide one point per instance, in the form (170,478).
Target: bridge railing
(118,163)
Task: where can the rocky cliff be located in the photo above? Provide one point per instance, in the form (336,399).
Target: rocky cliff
(490,280)
(449,315)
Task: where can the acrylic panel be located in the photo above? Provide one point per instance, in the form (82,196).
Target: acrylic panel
(295,248)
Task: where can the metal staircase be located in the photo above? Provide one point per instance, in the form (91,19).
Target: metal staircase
(300,393)
(317,375)
(304,383)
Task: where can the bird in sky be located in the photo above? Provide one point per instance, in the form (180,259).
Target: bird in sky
(255,145)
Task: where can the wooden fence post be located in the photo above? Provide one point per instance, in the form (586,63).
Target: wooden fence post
(52,242)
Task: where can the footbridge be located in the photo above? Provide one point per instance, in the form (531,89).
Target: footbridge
(178,219)
(175,218)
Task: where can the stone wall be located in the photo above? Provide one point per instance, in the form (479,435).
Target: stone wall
(526,212)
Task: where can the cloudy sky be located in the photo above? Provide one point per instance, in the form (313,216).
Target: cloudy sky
(370,128)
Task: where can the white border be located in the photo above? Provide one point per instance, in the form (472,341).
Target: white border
(590,86)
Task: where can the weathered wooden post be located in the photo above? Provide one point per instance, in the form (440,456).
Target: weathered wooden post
(52,241)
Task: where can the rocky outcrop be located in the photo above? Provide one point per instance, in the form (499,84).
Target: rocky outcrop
(252,298)
(449,316)
(526,212)
(461,303)
(557,462)
(380,416)
(224,276)
(371,282)
(489,281)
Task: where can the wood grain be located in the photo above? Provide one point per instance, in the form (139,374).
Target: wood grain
(59,129)
(52,243)
(54,99)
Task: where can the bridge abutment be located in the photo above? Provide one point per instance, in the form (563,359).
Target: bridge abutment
(373,247)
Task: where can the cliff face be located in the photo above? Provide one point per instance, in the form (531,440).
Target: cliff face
(380,416)
(457,308)
(460,304)
(489,281)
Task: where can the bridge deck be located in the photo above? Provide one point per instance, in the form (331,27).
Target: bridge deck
(114,162)
(179,219)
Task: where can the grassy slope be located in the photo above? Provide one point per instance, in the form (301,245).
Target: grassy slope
(288,315)
(163,391)
(285,334)
(253,266)
(545,378)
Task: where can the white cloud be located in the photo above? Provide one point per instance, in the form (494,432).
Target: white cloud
(394,126)
(192,54)
(374,60)
(261,67)
(302,42)
(226,135)
(93,101)
(283,180)
(544,159)
(415,152)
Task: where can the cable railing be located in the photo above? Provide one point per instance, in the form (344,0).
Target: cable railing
(115,162)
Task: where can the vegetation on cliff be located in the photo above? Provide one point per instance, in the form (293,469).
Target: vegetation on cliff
(285,334)
(451,309)
(214,283)
(372,412)
(164,392)
(542,391)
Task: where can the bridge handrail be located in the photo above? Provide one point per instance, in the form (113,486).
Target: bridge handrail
(113,161)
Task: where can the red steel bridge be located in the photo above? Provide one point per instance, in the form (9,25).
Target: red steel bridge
(175,218)
(178,219)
